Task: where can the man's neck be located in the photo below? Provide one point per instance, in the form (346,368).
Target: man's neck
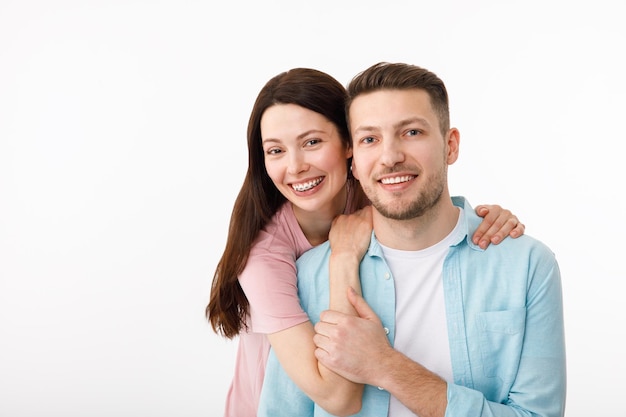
(418,233)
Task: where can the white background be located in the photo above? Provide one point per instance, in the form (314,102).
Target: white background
(122,148)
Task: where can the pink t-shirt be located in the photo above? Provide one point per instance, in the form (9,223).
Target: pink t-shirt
(269,282)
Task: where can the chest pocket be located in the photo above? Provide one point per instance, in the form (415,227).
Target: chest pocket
(501,339)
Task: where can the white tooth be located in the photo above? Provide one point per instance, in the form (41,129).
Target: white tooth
(307,185)
(396,180)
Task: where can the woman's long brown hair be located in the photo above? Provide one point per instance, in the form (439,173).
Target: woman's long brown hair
(259,199)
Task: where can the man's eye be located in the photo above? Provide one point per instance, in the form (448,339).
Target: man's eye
(368,139)
(413,132)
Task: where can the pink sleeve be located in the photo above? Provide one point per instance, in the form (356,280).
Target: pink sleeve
(269,282)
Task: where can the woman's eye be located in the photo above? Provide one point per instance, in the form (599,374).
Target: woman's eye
(273,151)
(312,142)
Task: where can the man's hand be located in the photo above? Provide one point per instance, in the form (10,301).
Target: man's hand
(353,347)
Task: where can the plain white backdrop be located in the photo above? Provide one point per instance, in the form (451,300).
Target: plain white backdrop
(122,148)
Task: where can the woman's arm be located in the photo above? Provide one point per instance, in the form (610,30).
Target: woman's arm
(295,351)
(349,239)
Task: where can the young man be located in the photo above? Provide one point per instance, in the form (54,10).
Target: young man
(448,329)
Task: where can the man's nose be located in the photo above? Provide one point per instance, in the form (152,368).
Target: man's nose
(392,152)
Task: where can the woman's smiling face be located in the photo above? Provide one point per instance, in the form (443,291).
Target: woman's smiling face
(305,157)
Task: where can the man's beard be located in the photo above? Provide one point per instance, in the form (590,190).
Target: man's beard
(425,200)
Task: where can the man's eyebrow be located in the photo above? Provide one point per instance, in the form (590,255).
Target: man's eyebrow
(411,120)
(366,129)
(398,125)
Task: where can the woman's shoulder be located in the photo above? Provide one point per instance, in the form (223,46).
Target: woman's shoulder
(282,234)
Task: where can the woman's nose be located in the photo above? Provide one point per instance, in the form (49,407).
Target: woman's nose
(297,163)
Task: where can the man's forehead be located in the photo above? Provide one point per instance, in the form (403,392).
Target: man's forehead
(391,107)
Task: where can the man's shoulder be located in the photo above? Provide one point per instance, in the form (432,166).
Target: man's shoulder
(524,253)
(314,256)
(523,244)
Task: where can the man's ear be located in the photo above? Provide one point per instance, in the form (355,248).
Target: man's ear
(453,137)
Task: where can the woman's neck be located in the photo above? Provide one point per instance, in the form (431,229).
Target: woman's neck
(316,224)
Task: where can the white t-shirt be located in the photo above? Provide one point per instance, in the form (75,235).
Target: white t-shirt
(421,329)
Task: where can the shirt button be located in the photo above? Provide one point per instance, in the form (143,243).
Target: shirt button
(386,330)
(387,275)
(380,388)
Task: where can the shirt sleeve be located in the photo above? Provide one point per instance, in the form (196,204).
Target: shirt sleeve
(269,282)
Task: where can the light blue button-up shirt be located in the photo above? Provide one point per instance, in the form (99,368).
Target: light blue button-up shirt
(504,312)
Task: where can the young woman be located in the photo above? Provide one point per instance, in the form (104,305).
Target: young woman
(298,181)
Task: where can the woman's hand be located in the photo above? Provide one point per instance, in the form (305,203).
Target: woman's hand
(350,234)
(497,224)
